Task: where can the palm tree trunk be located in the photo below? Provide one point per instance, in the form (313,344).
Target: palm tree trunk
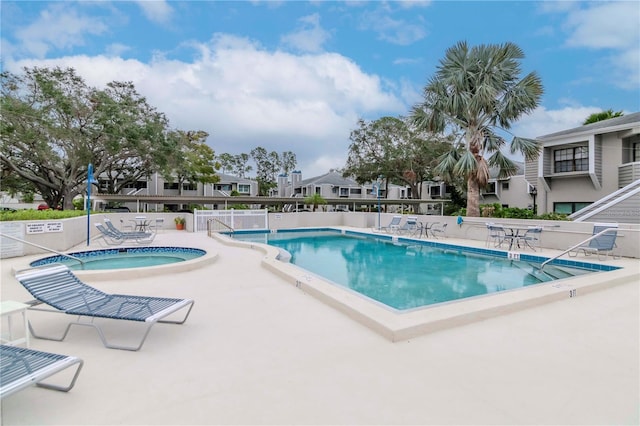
(473,197)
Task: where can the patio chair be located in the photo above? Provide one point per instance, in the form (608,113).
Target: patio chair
(59,288)
(438,229)
(530,238)
(22,367)
(602,244)
(496,235)
(394,225)
(411,226)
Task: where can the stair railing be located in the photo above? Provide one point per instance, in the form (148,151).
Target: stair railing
(219,222)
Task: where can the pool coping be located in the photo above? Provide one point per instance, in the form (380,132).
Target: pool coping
(141,272)
(404,325)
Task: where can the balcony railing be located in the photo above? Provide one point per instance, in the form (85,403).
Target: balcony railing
(628,173)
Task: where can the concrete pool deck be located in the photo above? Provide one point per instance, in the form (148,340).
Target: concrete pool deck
(256,350)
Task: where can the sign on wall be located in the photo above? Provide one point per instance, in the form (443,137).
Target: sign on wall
(43,227)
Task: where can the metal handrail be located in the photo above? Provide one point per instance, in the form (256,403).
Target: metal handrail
(577,245)
(220,222)
(43,248)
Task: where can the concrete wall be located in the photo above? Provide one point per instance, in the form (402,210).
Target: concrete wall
(557,235)
(73,231)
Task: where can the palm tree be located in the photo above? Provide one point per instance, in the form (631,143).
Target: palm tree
(602,115)
(314,199)
(478,91)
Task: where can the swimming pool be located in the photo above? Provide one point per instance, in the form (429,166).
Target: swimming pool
(124,258)
(405,274)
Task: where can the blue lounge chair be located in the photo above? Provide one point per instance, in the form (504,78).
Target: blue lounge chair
(394,225)
(22,367)
(117,237)
(59,288)
(602,244)
(139,235)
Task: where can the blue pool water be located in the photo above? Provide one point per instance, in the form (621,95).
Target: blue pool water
(124,258)
(407,274)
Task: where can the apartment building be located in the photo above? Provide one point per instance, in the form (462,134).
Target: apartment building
(579,166)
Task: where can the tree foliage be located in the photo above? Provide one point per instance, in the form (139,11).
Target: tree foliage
(390,147)
(602,115)
(478,91)
(269,164)
(236,165)
(193,161)
(52,125)
(315,200)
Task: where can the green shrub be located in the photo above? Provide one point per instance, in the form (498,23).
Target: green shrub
(39,215)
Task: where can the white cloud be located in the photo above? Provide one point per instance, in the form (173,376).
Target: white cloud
(58,26)
(611,26)
(395,31)
(246,96)
(544,121)
(606,25)
(309,37)
(408,4)
(156,10)
(116,49)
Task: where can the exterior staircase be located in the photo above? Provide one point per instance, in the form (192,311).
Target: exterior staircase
(622,206)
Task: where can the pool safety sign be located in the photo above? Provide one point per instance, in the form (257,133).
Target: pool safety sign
(43,227)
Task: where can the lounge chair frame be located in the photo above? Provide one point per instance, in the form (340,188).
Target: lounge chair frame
(114,238)
(57,287)
(23,367)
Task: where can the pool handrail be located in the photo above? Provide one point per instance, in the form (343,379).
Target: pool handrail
(592,237)
(209,230)
(77,259)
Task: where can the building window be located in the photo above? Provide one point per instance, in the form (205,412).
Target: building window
(223,187)
(318,190)
(356,191)
(571,159)
(569,208)
(344,192)
(189,186)
(244,189)
(636,152)
(171,185)
(505,186)
(490,188)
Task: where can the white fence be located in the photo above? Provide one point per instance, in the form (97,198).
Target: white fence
(235,219)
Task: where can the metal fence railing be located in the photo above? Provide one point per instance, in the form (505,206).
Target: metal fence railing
(235,219)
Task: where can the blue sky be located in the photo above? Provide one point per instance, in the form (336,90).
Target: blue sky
(296,76)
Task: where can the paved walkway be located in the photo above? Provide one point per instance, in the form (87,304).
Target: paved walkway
(258,351)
